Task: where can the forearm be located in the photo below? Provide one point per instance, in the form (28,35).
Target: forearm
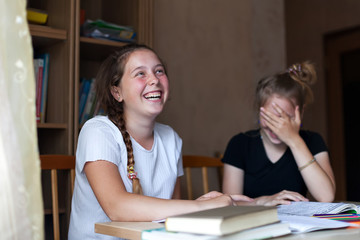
(134,207)
(320,184)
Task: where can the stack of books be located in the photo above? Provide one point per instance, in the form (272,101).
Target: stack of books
(88,106)
(41,70)
(231,222)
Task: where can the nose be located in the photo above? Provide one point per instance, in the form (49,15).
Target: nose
(154,80)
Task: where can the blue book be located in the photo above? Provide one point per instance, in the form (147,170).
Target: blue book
(44,87)
(83,97)
(89,102)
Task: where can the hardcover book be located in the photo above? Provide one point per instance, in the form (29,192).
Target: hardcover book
(222,221)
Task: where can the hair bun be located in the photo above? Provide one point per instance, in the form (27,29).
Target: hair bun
(303,72)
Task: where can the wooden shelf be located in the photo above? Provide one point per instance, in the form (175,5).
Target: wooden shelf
(102,42)
(47,32)
(46,36)
(102,48)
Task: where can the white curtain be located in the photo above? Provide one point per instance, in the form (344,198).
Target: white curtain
(21,206)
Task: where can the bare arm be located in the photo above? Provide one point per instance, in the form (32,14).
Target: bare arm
(119,205)
(233,180)
(318,176)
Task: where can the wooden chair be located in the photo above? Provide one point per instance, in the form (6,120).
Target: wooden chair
(55,163)
(204,163)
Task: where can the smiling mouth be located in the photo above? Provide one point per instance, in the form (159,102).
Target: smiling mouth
(153,96)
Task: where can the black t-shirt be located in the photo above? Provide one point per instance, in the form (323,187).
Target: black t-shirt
(261,176)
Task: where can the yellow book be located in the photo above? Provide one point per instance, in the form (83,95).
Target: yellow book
(36,16)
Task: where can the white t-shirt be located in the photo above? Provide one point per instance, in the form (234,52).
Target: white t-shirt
(157,170)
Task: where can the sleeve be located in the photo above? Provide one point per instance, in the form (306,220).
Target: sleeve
(315,142)
(97,142)
(233,153)
(178,144)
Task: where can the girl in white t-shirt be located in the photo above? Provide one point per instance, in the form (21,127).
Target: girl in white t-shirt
(132,88)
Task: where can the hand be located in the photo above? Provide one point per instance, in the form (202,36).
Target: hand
(210,195)
(284,197)
(225,198)
(285,127)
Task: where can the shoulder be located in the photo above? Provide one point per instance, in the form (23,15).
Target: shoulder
(314,141)
(98,127)
(310,135)
(165,130)
(245,136)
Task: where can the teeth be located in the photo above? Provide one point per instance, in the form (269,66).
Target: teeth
(153,96)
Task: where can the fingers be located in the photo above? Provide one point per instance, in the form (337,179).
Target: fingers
(239,197)
(279,110)
(209,195)
(289,195)
(284,198)
(268,117)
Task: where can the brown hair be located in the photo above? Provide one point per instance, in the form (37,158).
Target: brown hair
(109,75)
(293,84)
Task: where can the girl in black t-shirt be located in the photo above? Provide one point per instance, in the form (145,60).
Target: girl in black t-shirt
(278,163)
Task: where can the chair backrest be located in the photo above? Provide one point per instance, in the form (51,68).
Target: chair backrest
(55,163)
(204,163)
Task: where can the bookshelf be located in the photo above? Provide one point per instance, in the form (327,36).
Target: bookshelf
(56,38)
(90,52)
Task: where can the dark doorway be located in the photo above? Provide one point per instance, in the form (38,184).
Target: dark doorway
(342,59)
(351,95)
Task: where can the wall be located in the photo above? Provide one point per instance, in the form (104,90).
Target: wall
(215,53)
(306,24)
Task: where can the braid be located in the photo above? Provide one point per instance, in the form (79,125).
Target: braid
(119,121)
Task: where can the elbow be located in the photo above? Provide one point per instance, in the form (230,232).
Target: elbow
(328,197)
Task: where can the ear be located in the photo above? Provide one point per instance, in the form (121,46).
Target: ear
(116,92)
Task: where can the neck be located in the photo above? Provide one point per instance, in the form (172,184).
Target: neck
(142,130)
(281,147)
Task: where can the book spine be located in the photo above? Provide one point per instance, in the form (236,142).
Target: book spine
(83,98)
(45,57)
(39,80)
(89,102)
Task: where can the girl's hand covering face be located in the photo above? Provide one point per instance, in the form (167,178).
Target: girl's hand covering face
(285,126)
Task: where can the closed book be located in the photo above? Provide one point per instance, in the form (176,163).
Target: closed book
(262,232)
(222,221)
(39,81)
(45,77)
(89,102)
(36,16)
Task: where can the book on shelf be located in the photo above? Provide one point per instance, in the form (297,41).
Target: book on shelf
(90,100)
(313,208)
(36,16)
(44,85)
(262,232)
(106,30)
(41,69)
(85,88)
(38,70)
(222,221)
